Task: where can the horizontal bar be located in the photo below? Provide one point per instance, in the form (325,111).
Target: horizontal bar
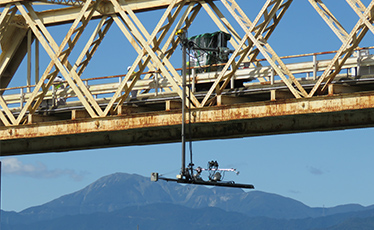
(218,122)
(148,84)
(230,184)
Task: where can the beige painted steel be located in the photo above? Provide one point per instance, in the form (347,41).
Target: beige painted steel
(347,48)
(154,49)
(271,13)
(54,52)
(336,111)
(261,44)
(330,19)
(150,45)
(322,104)
(148,84)
(360,8)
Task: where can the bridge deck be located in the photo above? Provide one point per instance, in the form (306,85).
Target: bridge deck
(225,121)
(236,100)
(244,83)
(250,110)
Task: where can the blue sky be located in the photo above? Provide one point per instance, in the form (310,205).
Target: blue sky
(318,169)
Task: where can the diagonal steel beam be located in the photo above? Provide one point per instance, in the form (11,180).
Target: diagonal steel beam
(243,50)
(142,54)
(257,34)
(9,44)
(58,57)
(8,113)
(184,23)
(262,32)
(92,44)
(345,51)
(360,8)
(130,38)
(172,41)
(222,23)
(51,47)
(6,16)
(163,29)
(278,14)
(330,19)
(224,72)
(240,16)
(146,42)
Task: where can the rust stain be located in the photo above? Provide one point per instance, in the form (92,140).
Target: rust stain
(288,107)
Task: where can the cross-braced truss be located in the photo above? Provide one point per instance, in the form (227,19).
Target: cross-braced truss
(152,71)
(350,41)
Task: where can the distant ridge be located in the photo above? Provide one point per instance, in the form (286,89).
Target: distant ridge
(124,195)
(120,190)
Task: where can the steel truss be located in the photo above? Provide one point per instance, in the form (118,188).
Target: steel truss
(154,49)
(350,41)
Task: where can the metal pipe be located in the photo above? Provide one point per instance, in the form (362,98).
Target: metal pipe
(358,72)
(156,83)
(183,134)
(36,61)
(232,82)
(193,80)
(22,99)
(28,81)
(315,67)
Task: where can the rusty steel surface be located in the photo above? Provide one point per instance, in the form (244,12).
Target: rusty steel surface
(229,121)
(275,96)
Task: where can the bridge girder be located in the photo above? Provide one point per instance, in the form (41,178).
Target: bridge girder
(350,41)
(147,46)
(219,122)
(154,49)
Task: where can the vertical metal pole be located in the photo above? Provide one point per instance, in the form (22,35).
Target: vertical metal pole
(36,61)
(22,99)
(315,67)
(54,98)
(184,69)
(156,83)
(232,82)
(193,79)
(358,72)
(28,60)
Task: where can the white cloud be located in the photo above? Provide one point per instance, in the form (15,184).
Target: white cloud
(315,171)
(294,191)
(12,166)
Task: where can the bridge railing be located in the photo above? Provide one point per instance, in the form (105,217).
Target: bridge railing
(311,66)
(152,85)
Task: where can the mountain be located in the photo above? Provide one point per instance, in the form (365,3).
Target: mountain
(171,216)
(127,200)
(155,216)
(122,190)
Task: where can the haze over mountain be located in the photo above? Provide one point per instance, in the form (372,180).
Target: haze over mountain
(129,200)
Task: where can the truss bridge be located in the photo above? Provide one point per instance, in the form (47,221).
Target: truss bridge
(52,99)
